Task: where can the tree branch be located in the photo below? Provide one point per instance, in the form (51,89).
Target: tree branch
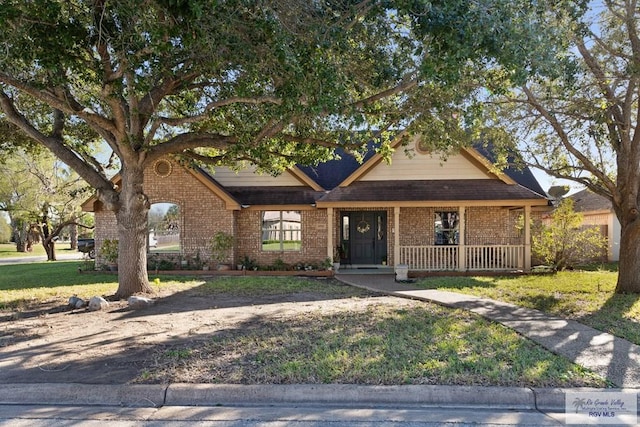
(407,82)
(564,139)
(174,121)
(67,104)
(54,144)
(189,141)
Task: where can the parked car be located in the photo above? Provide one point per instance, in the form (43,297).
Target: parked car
(87,246)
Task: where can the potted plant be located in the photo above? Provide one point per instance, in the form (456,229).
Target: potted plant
(221,246)
(109,251)
(338,254)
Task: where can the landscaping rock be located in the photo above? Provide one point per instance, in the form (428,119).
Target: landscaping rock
(98,303)
(75,302)
(139,302)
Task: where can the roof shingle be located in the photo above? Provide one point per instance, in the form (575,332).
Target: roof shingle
(432,190)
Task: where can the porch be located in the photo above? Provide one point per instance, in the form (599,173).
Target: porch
(477,238)
(463,258)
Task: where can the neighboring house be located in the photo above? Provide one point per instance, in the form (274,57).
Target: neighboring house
(598,210)
(431,214)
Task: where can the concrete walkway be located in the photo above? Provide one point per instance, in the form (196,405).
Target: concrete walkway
(614,358)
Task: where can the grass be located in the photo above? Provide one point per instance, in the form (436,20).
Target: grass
(28,284)
(269,285)
(586,296)
(419,343)
(8,250)
(407,342)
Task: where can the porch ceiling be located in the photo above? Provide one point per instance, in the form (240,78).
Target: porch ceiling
(432,191)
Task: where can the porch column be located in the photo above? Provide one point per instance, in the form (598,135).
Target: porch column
(462,244)
(396,235)
(527,238)
(330,226)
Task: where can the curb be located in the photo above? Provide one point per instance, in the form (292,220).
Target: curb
(182,394)
(351,395)
(133,395)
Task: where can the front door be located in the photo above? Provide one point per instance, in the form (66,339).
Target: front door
(368,237)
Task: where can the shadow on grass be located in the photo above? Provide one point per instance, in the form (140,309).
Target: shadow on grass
(255,290)
(615,317)
(213,292)
(454,282)
(547,303)
(370,344)
(600,266)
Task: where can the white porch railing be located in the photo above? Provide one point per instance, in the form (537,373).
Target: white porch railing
(495,257)
(476,257)
(429,257)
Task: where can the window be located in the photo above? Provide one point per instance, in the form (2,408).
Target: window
(281,230)
(345,227)
(447,228)
(164,228)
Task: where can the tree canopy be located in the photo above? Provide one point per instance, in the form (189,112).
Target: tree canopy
(41,197)
(269,82)
(581,123)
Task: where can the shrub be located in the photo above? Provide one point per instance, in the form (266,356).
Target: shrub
(564,242)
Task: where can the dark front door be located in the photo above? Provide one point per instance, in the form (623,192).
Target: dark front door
(368,232)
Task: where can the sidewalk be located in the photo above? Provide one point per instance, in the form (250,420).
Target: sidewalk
(614,358)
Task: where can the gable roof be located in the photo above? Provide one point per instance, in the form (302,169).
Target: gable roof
(430,192)
(588,201)
(332,173)
(346,169)
(339,182)
(522,176)
(262,196)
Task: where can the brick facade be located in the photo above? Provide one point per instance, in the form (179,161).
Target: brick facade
(484,225)
(203,213)
(314,239)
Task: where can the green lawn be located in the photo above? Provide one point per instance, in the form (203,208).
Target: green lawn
(409,343)
(27,284)
(586,296)
(8,250)
(403,343)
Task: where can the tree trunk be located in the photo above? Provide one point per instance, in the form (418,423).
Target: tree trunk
(21,243)
(19,234)
(73,236)
(50,249)
(132,235)
(629,265)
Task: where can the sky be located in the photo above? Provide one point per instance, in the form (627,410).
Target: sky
(547,182)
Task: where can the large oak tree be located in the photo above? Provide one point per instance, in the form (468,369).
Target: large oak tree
(270,82)
(582,123)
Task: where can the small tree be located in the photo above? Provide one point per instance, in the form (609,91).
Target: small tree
(565,242)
